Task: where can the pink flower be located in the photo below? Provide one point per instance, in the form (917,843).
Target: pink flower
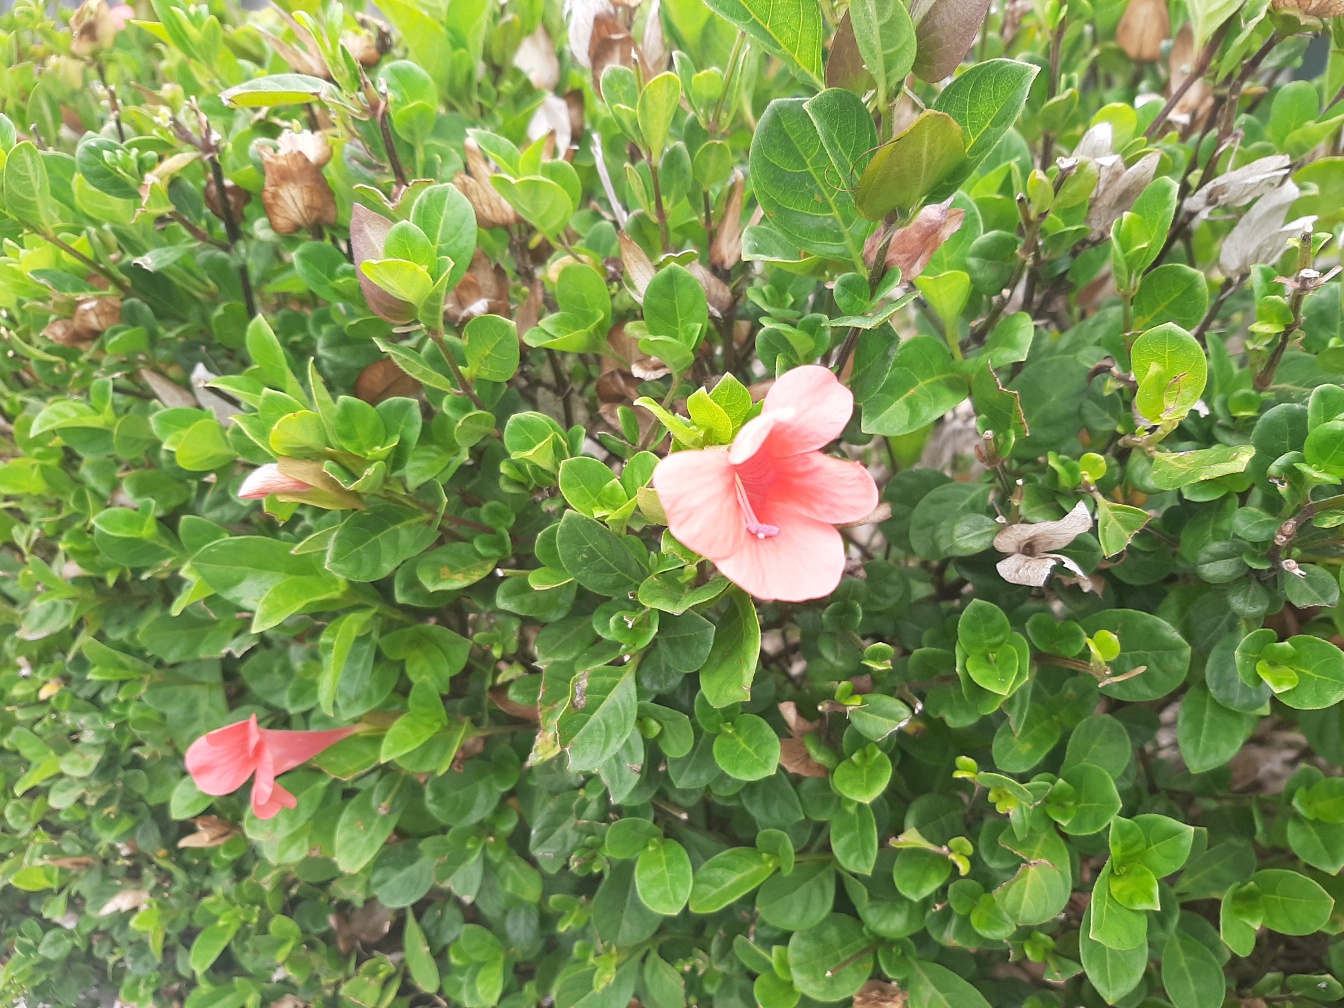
(221,761)
(268,479)
(765,509)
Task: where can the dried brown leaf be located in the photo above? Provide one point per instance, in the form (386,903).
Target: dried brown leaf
(794,758)
(211,831)
(913,246)
(382,380)
(879,994)
(1146,24)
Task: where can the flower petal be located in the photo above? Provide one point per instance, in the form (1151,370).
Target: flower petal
(821,406)
(270,806)
(805,561)
(290,748)
(1047,535)
(827,489)
(221,761)
(1023,570)
(697,491)
(268,479)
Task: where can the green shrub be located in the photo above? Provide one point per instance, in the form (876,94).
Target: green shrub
(369,389)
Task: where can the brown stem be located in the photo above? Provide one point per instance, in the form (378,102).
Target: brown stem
(458,376)
(875,274)
(1288,530)
(393,158)
(232,229)
(1266,376)
(1196,72)
(1229,288)
(97,267)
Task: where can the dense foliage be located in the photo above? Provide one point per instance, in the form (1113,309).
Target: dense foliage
(368,388)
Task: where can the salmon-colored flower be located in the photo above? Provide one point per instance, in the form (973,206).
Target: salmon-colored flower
(268,479)
(765,509)
(221,761)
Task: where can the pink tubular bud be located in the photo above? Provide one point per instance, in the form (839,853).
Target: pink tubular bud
(268,479)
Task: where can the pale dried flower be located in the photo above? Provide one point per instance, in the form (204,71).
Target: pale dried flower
(268,479)
(1239,186)
(580,15)
(297,195)
(127,899)
(492,210)
(1312,8)
(1117,189)
(1029,546)
(536,59)
(1263,233)
(552,117)
(638,267)
(726,250)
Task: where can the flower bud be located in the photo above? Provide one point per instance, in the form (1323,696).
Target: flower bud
(268,479)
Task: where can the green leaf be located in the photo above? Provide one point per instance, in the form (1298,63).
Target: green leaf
(831,960)
(447,219)
(243,569)
(365,824)
(492,348)
(276,89)
(403,279)
(1145,641)
(540,201)
(600,716)
(934,986)
(885,36)
(791,29)
(1173,470)
(1293,904)
(596,557)
(1191,973)
(802,183)
(1117,524)
(1208,733)
(663,877)
(1113,972)
(212,941)
(419,959)
(1171,293)
(911,164)
(658,101)
(921,386)
(1113,924)
(1207,16)
(864,776)
(985,101)
(1170,368)
(371,544)
(675,306)
(747,748)
(727,877)
(731,666)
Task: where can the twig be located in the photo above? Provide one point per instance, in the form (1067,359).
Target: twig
(385,129)
(1229,288)
(1266,376)
(1200,68)
(92,264)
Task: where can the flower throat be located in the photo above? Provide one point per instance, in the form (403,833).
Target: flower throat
(755,526)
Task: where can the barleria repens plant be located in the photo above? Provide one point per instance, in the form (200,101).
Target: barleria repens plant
(661,502)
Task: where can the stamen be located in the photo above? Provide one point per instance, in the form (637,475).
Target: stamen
(755,526)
